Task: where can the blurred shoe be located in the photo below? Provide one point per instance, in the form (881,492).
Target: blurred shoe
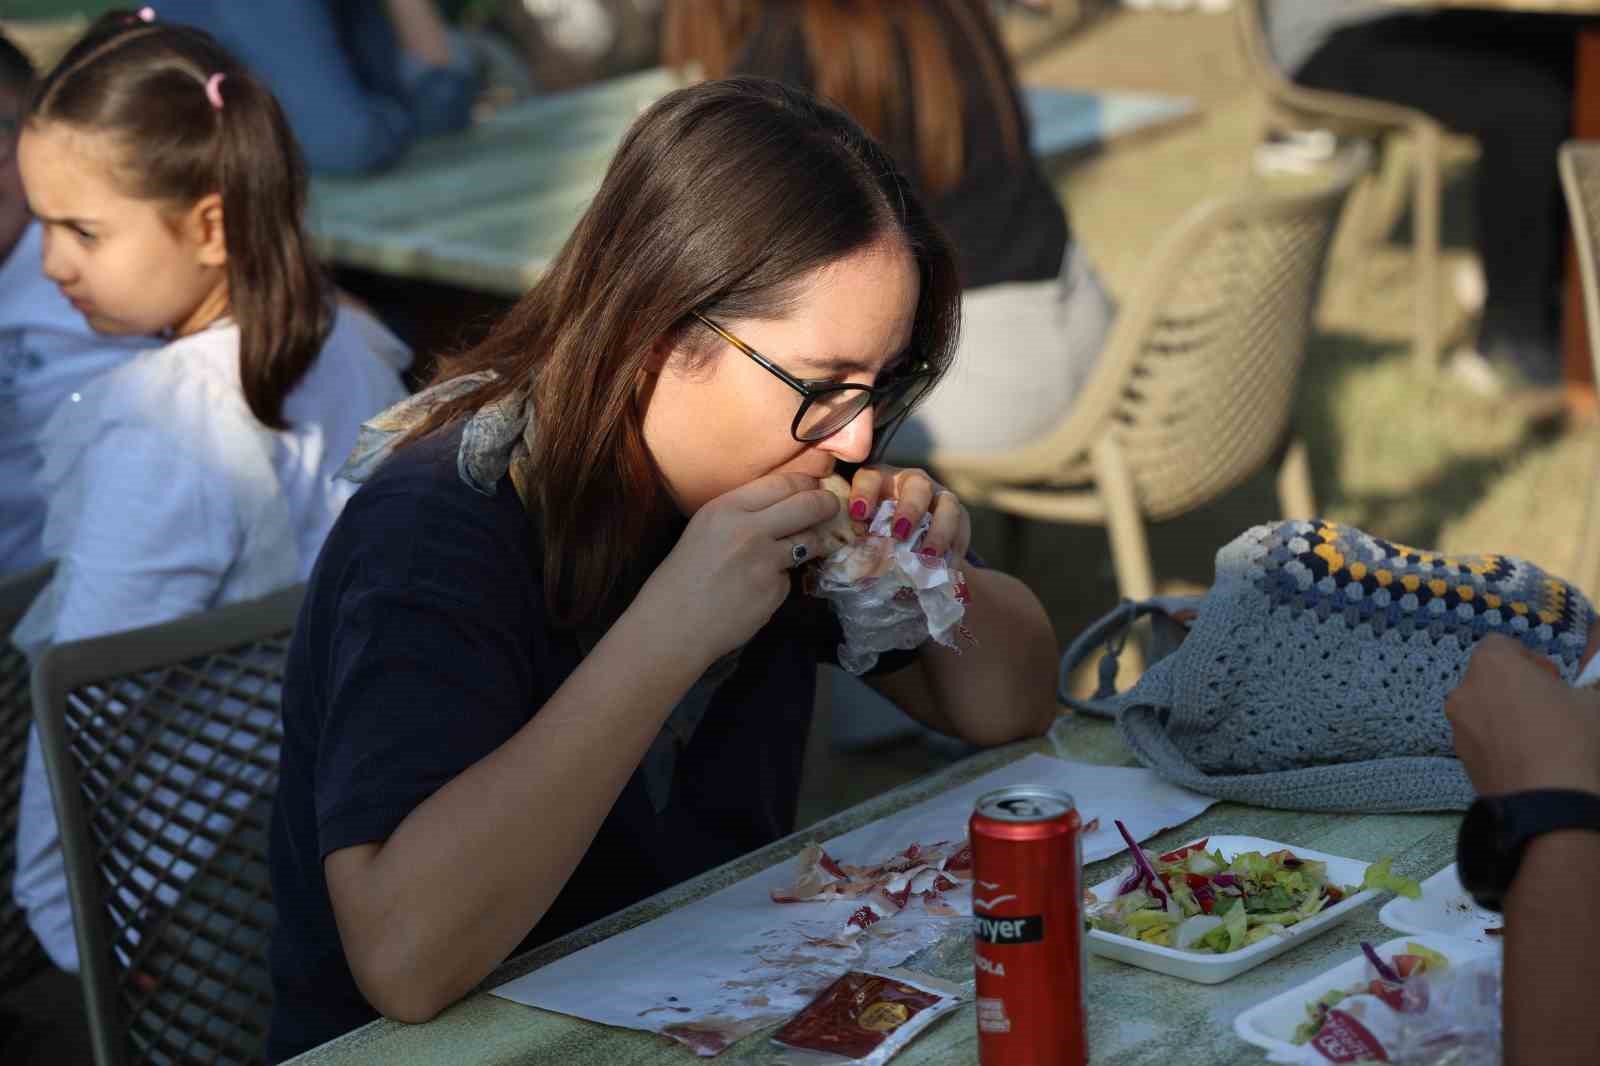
(1471,288)
(1500,372)
(1469,368)
(1295,152)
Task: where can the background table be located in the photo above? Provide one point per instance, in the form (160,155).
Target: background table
(1135,1016)
(488,208)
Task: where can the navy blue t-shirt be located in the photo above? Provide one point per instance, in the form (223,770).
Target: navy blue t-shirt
(422,646)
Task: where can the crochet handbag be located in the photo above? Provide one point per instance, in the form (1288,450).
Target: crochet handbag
(1314,672)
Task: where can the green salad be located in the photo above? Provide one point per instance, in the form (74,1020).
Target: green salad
(1196,900)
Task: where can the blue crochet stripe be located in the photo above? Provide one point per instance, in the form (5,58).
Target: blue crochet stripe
(1333,570)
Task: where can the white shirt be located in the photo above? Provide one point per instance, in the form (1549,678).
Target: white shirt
(46,352)
(167,498)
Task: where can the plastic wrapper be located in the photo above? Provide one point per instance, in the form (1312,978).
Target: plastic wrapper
(888,597)
(1446,1019)
(865,1018)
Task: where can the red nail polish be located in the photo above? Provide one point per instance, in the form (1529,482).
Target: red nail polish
(902,528)
(858,510)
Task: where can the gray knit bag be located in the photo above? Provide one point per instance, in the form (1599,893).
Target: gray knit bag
(1313,674)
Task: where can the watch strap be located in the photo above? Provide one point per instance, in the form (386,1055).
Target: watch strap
(1498,829)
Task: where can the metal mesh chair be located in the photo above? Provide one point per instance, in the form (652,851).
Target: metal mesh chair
(1294,107)
(1580,178)
(1195,388)
(21,956)
(162,750)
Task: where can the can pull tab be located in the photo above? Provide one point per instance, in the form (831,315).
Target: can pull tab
(1021,807)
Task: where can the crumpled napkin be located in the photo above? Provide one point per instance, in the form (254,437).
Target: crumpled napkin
(888,597)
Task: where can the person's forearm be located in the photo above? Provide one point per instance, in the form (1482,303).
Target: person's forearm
(1003,687)
(472,869)
(421,30)
(1552,953)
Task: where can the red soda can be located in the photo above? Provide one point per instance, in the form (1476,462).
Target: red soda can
(1027,923)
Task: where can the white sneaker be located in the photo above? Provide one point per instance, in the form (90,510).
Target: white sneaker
(1469,368)
(1296,152)
(1471,288)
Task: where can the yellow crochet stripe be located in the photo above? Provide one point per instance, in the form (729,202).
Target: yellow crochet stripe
(1555,606)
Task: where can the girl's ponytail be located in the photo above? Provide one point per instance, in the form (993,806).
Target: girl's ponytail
(196,122)
(280,297)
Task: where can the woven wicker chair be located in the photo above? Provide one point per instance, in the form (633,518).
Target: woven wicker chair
(1378,200)
(162,749)
(1194,390)
(20,953)
(1580,177)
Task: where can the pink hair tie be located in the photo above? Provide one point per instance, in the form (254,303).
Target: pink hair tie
(214,90)
(147,14)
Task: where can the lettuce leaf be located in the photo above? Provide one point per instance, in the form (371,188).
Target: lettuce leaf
(1379,878)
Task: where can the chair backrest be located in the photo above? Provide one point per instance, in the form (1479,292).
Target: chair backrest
(1580,178)
(1250,31)
(1198,378)
(1215,362)
(1291,105)
(20,953)
(162,750)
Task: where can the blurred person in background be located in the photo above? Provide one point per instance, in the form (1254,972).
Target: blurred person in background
(1505,79)
(933,83)
(46,349)
(360,80)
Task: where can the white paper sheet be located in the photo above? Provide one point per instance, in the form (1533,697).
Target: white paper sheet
(734,962)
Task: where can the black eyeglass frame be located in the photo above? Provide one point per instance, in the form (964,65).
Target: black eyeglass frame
(885,395)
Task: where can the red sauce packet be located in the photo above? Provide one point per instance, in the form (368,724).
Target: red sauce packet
(867,1017)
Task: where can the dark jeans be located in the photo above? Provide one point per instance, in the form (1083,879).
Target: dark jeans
(1506,80)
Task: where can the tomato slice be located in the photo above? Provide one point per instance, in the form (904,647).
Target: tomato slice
(1406,965)
(1174,856)
(1197,880)
(1391,994)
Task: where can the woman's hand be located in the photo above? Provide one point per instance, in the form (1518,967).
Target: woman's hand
(915,493)
(730,570)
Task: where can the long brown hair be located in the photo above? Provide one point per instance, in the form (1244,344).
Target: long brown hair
(144,84)
(721,199)
(889,63)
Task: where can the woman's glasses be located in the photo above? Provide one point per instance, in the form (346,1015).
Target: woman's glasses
(827,407)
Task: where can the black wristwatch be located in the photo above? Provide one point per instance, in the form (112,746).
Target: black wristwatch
(1497,829)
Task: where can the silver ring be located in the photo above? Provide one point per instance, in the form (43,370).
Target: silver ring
(799,553)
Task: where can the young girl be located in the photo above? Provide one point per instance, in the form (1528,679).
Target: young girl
(169,192)
(551,660)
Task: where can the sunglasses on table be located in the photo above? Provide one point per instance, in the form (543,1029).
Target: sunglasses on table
(826,407)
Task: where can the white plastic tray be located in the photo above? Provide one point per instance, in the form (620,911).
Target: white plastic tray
(1271,1024)
(1445,909)
(1211,969)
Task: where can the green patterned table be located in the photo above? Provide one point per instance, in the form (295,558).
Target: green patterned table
(487,208)
(1135,1016)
